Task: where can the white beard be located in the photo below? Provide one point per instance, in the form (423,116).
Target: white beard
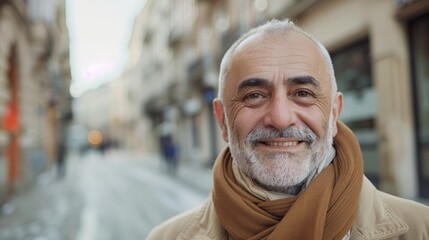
(282,172)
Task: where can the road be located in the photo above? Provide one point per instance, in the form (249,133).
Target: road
(102,197)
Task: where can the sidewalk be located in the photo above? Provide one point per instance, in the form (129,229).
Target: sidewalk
(42,211)
(197,177)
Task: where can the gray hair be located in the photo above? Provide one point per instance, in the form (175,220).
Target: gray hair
(280,26)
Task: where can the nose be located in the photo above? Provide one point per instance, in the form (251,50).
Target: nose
(280,113)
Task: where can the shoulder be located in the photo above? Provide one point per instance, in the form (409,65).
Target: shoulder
(384,216)
(197,223)
(171,228)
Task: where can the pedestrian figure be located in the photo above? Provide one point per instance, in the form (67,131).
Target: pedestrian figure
(172,157)
(61,158)
(169,150)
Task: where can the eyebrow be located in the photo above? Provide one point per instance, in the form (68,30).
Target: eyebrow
(298,80)
(305,80)
(252,82)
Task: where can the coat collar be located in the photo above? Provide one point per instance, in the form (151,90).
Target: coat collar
(375,218)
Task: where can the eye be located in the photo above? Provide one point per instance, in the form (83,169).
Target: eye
(255,98)
(303,96)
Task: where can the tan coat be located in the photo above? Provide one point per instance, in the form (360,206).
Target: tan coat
(380,216)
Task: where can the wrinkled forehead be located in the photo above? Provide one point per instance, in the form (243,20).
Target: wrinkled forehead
(278,44)
(291,52)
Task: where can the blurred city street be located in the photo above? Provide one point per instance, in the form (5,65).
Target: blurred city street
(117,195)
(117,99)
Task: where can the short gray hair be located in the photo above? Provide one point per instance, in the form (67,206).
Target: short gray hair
(275,25)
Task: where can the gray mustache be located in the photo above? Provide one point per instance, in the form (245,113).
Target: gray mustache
(304,134)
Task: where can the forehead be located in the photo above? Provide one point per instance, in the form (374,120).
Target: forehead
(286,54)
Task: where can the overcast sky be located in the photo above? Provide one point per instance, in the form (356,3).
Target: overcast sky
(99,34)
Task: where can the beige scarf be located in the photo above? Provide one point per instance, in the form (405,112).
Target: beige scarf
(326,209)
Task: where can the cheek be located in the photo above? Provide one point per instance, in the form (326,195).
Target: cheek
(243,120)
(316,118)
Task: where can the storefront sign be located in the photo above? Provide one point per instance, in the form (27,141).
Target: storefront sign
(10,120)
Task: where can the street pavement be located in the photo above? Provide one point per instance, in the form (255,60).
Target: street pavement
(118,195)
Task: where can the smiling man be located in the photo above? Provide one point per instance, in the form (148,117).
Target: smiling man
(292,170)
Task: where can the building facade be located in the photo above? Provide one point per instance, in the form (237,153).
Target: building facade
(34,88)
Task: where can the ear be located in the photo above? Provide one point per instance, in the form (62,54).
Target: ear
(220,117)
(336,110)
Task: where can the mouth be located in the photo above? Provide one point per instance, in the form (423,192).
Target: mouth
(279,143)
(282,144)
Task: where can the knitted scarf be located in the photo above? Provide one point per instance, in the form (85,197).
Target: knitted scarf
(326,209)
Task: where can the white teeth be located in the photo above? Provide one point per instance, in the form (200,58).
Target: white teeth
(283,144)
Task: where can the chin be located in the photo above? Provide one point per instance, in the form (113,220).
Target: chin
(276,174)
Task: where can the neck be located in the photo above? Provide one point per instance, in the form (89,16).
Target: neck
(289,190)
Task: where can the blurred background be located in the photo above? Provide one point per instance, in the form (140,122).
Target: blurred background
(106,123)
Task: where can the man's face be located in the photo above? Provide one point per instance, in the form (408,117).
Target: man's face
(277,112)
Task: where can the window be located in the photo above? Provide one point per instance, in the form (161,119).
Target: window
(419,49)
(352,66)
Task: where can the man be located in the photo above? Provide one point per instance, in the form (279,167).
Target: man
(292,170)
